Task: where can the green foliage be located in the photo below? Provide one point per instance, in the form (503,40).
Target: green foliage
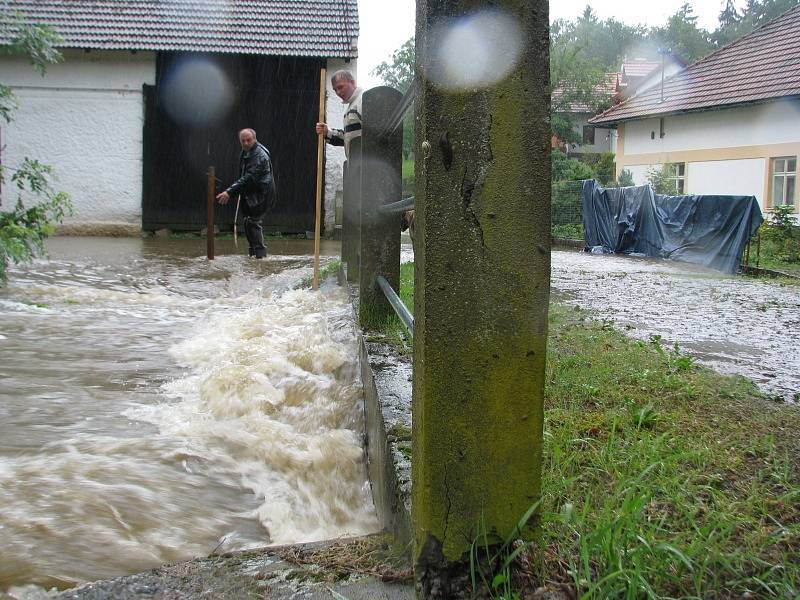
(661,478)
(566,209)
(682,35)
(625,178)
(564,168)
(568,231)
(782,233)
(493,566)
(662,180)
(733,24)
(398,71)
(604,169)
(602,165)
(37,42)
(24,229)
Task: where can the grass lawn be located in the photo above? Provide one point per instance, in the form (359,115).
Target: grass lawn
(662,478)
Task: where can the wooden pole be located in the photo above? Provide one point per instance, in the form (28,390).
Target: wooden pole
(210,210)
(320,155)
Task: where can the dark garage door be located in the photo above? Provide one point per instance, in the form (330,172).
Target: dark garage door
(278,97)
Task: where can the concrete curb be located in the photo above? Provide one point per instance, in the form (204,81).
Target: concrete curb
(386,377)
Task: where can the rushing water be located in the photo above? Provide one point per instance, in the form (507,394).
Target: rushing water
(155,406)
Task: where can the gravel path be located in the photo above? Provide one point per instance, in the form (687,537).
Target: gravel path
(736,325)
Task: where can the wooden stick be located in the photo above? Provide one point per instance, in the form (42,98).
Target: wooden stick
(320,155)
(210,215)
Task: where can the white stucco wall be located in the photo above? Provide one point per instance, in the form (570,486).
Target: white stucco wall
(334,155)
(735,177)
(602,137)
(84,118)
(763,124)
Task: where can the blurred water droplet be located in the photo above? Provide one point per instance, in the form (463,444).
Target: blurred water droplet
(475,51)
(197,92)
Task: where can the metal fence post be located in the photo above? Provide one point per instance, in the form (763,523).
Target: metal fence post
(381,183)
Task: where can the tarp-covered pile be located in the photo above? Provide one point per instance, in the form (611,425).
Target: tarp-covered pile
(706,230)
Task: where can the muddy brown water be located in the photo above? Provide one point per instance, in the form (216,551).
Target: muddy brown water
(155,406)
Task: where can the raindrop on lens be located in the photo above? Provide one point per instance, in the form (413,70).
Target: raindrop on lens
(476,51)
(197,92)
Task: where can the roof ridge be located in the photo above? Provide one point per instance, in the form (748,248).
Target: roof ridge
(743,59)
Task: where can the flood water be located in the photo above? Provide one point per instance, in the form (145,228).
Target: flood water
(156,406)
(734,324)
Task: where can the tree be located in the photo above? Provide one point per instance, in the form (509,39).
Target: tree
(564,168)
(682,35)
(398,72)
(662,179)
(24,229)
(734,24)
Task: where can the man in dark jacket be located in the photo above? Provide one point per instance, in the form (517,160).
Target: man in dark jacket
(256,186)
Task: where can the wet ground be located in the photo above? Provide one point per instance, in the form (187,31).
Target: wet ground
(734,324)
(155,406)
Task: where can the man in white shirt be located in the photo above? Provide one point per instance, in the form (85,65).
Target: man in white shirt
(344,85)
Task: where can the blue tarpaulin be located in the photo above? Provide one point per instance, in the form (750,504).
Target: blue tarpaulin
(705,230)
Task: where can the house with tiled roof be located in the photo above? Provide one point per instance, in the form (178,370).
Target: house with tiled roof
(727,124)
(152,92)
(565,100)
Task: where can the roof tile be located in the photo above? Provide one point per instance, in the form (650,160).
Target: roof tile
(323,28)
(758,67)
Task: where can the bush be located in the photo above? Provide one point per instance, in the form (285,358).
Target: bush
(564,168)
(782,233)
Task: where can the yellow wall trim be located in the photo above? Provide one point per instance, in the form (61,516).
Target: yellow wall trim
(737,153)
(712,154)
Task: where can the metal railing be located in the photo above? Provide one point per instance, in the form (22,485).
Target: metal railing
(397,304)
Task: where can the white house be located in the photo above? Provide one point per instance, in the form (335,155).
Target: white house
(593,139)
(150,94)
(729,123)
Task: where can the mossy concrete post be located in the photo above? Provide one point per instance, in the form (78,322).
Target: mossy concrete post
(482,272)
(351,210)
(381,183)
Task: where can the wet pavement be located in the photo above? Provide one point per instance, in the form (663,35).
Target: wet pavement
(733,324)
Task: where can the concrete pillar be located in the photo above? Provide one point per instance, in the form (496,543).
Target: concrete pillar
(351,210)
(482,272)
(381,183)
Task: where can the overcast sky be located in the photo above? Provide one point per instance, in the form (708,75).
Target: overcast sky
(386,24)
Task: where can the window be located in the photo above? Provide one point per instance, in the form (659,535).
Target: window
(588,134)
(784,181)
(677,175)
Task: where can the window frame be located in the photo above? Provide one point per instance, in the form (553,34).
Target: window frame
(678,178)
(588,140)
(785,174)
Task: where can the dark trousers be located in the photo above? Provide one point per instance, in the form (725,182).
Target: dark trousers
(254,233)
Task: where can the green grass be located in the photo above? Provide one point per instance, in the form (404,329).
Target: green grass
(661,478)
(326,271)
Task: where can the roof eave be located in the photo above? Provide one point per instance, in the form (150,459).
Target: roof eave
(613,122)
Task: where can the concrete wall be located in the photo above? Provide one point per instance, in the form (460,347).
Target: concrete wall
(602,137)
(773,123)
(84,118)
(726,151)
(736,177)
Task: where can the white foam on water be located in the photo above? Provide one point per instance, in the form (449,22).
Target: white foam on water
(272,395)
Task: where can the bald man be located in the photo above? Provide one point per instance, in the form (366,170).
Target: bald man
(256,186)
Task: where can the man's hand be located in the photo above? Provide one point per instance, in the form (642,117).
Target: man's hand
(223,197)
(322,128)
